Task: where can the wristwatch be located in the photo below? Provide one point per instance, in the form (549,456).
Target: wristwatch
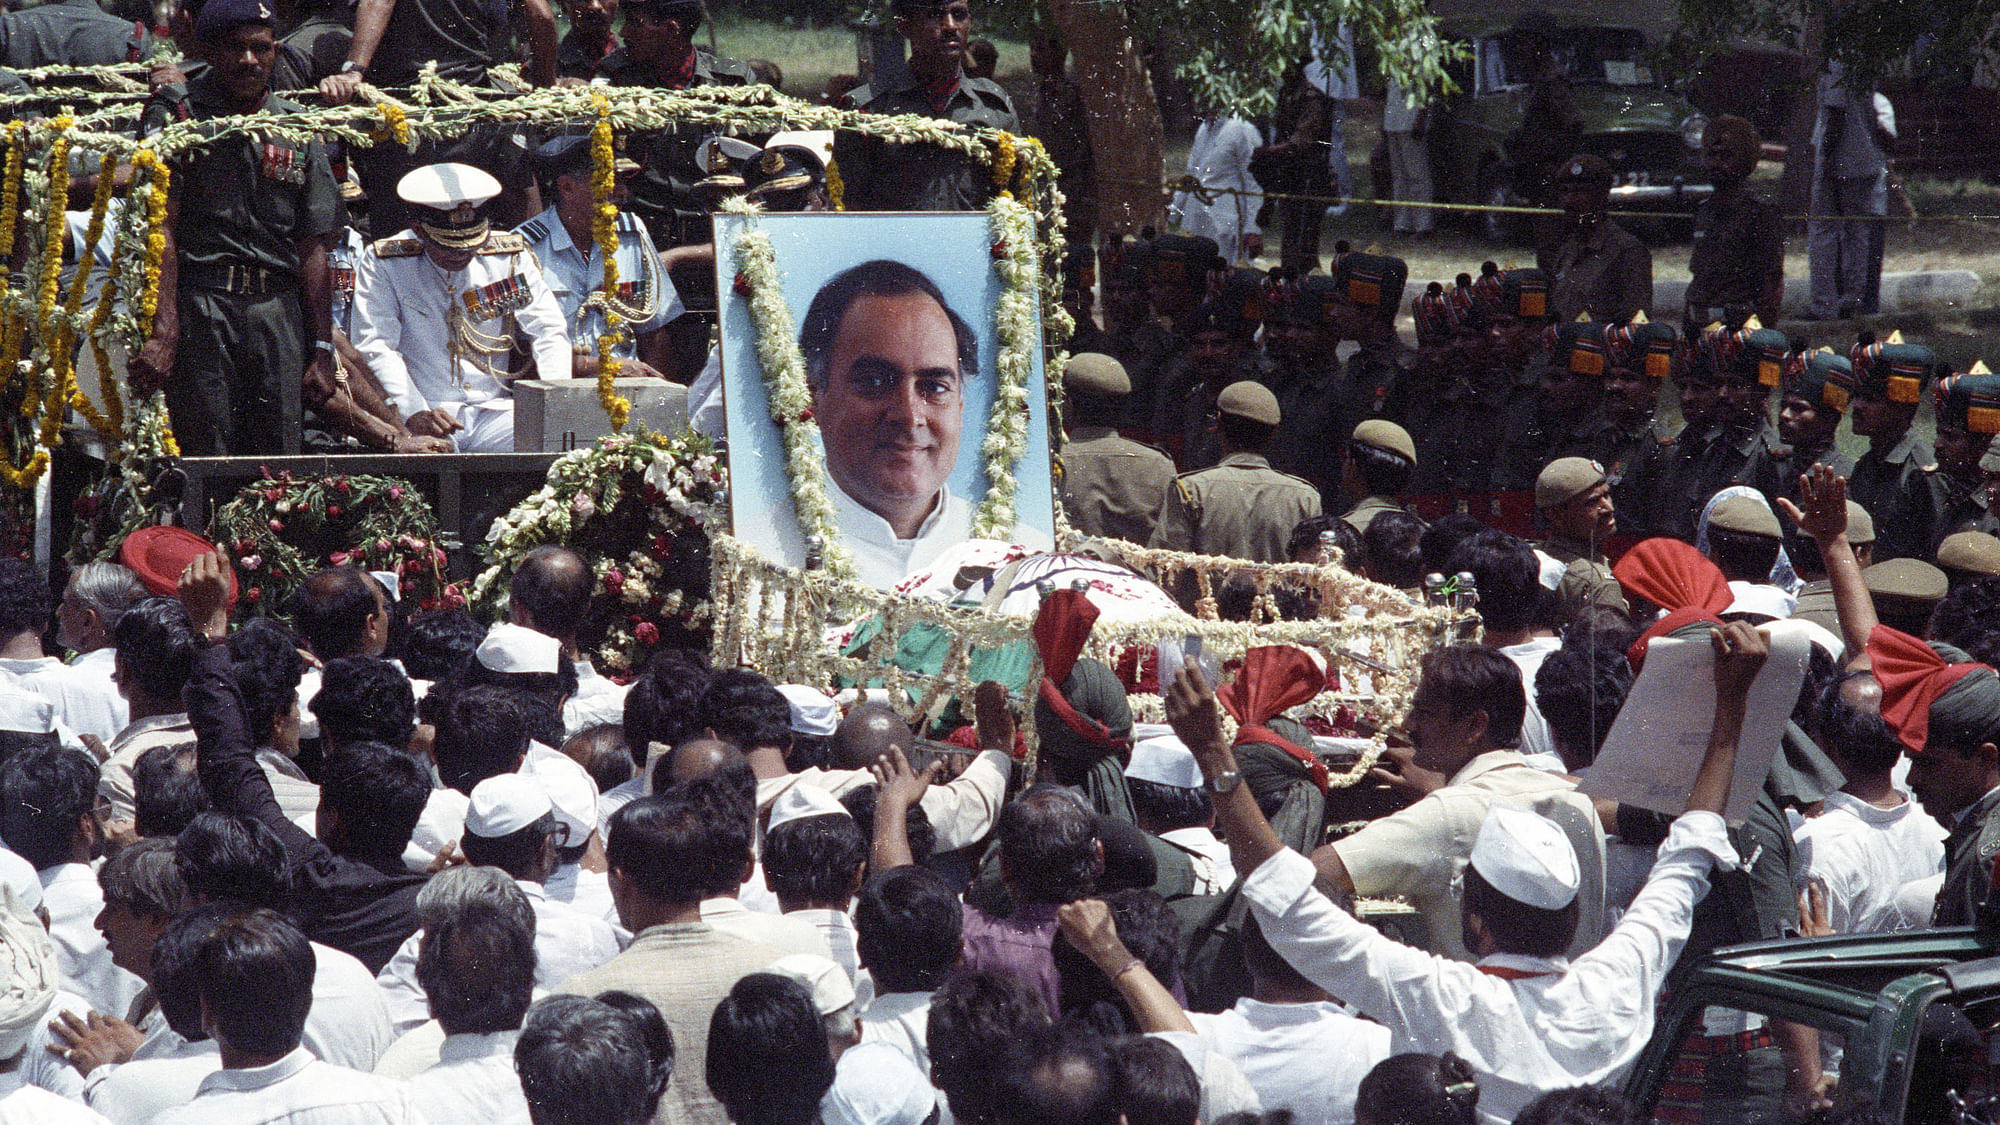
(1224,783)
(352,67)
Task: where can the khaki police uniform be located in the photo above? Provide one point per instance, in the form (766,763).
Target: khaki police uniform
(1242,508)
(1113,486)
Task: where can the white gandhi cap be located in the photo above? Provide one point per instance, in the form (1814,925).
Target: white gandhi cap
(516,648)
(802,801)
(1524,856)
(812,710)
(504,804)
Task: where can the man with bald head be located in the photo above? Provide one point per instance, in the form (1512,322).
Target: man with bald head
(550,593)
(1879,854)
(868,732)
(695,759)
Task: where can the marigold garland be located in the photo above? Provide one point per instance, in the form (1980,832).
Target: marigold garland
(395,124)
(1004,156)
(604,229)
(836,188)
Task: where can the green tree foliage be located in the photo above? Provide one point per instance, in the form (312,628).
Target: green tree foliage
(1870,38)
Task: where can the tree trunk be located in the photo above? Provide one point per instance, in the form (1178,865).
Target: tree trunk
(1124,118)
(1795,189)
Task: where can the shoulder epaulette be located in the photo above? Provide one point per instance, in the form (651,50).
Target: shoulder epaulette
(535,230)
(398,247)
(503,242)
(990,90)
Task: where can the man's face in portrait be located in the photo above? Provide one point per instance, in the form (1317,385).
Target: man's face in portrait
(892,407)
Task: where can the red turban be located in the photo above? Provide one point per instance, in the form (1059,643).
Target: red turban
(1913,677)
(1678,579)
(1273,678)
(1061,626)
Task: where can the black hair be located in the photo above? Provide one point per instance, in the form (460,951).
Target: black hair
(1581,1105)
(815,858)
(1442,538)
(1170,806)
(173,982)
(1861,738)
(379,793)
(476,966)
(331,610)
(254,973)
(664,705)
(1151,931)
(552,585)
(1970,608)
(743,707)
(156,646)
(1156,1084)
(44,796)
(907,925)
(1264,962)
(1740,557)
(166,790)
(730,812)
(1086,409)
(364,699)
(660,842)
(265,662)
(481,732)
(1244,433)
(1306,532)
(1516,927)
(232,858)
(1476,678)
(25,599)
(438,645)
(1579,689)
(1394,544)
(142,877)
(973,1018)
(1511,595)
(651,1029)
(917,831)
(878,278)
(1048,843)
(517,852)
(585,1062)
(1057,1076)
(602,753)
(1418,1089)
(1383,472)
(767,1026)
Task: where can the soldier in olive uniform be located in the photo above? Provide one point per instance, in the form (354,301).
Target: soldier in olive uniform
(1566,418)
(1375,472)
(1639,357)
(884,177)
(1241,508)
(589,42)
(1818,386)
(1111,486)
(1448,337)
(1968,415)
(1893,479)
(1220,350)
(1574,500)
(1599,268)
(1175,280)
(1737,266)
(1502,384)
(1367,293)
(1738,369)
(246,295)
(69,33)
(1305,376)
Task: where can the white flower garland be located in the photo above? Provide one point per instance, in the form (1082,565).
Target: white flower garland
(1014,327)
(790,398)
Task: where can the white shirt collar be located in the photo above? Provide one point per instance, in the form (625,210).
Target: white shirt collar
(477,1045)
(257,1077)
(850,515)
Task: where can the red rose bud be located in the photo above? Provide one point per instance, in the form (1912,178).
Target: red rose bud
(338,558)
(806,415)
(741,286)
(395,492)
(382,545)
(341,486)
(277,525)
(273,495)
(647,633)
(999,250)
(333,511)
(251,596)
(614,581)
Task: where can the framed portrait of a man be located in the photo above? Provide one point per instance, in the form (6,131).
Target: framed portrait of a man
(893,316)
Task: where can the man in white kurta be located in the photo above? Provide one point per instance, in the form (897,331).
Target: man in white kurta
(438,307)
(1220,161)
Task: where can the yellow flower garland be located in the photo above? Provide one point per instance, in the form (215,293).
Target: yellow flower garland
(395,124)
(1004,158)
(604,229)
(10,219)
(156,235)
(836,188)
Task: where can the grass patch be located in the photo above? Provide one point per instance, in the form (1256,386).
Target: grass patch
(811,55)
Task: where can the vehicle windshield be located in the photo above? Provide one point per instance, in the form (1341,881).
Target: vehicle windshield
(1613,56)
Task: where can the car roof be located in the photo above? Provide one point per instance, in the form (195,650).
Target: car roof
(1871,955)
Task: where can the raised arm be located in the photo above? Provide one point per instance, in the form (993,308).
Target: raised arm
(1824,518)
(1195,717)
(1739,652)
(1089,926)
(898,788)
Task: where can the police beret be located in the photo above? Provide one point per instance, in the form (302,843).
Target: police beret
(1823,378)
(218,17)
(1093,373)
(1372,281)
(1250,401)
(1585,168)
(1905,583)
(1896,372)
(1525,293)
(1745,515)
(1566,478)
(1969,402)
(1973,552)
(1578,348)
(1185,260)
(1386,436)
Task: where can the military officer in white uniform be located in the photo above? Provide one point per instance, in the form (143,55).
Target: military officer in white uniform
(439,307)
(561,240)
